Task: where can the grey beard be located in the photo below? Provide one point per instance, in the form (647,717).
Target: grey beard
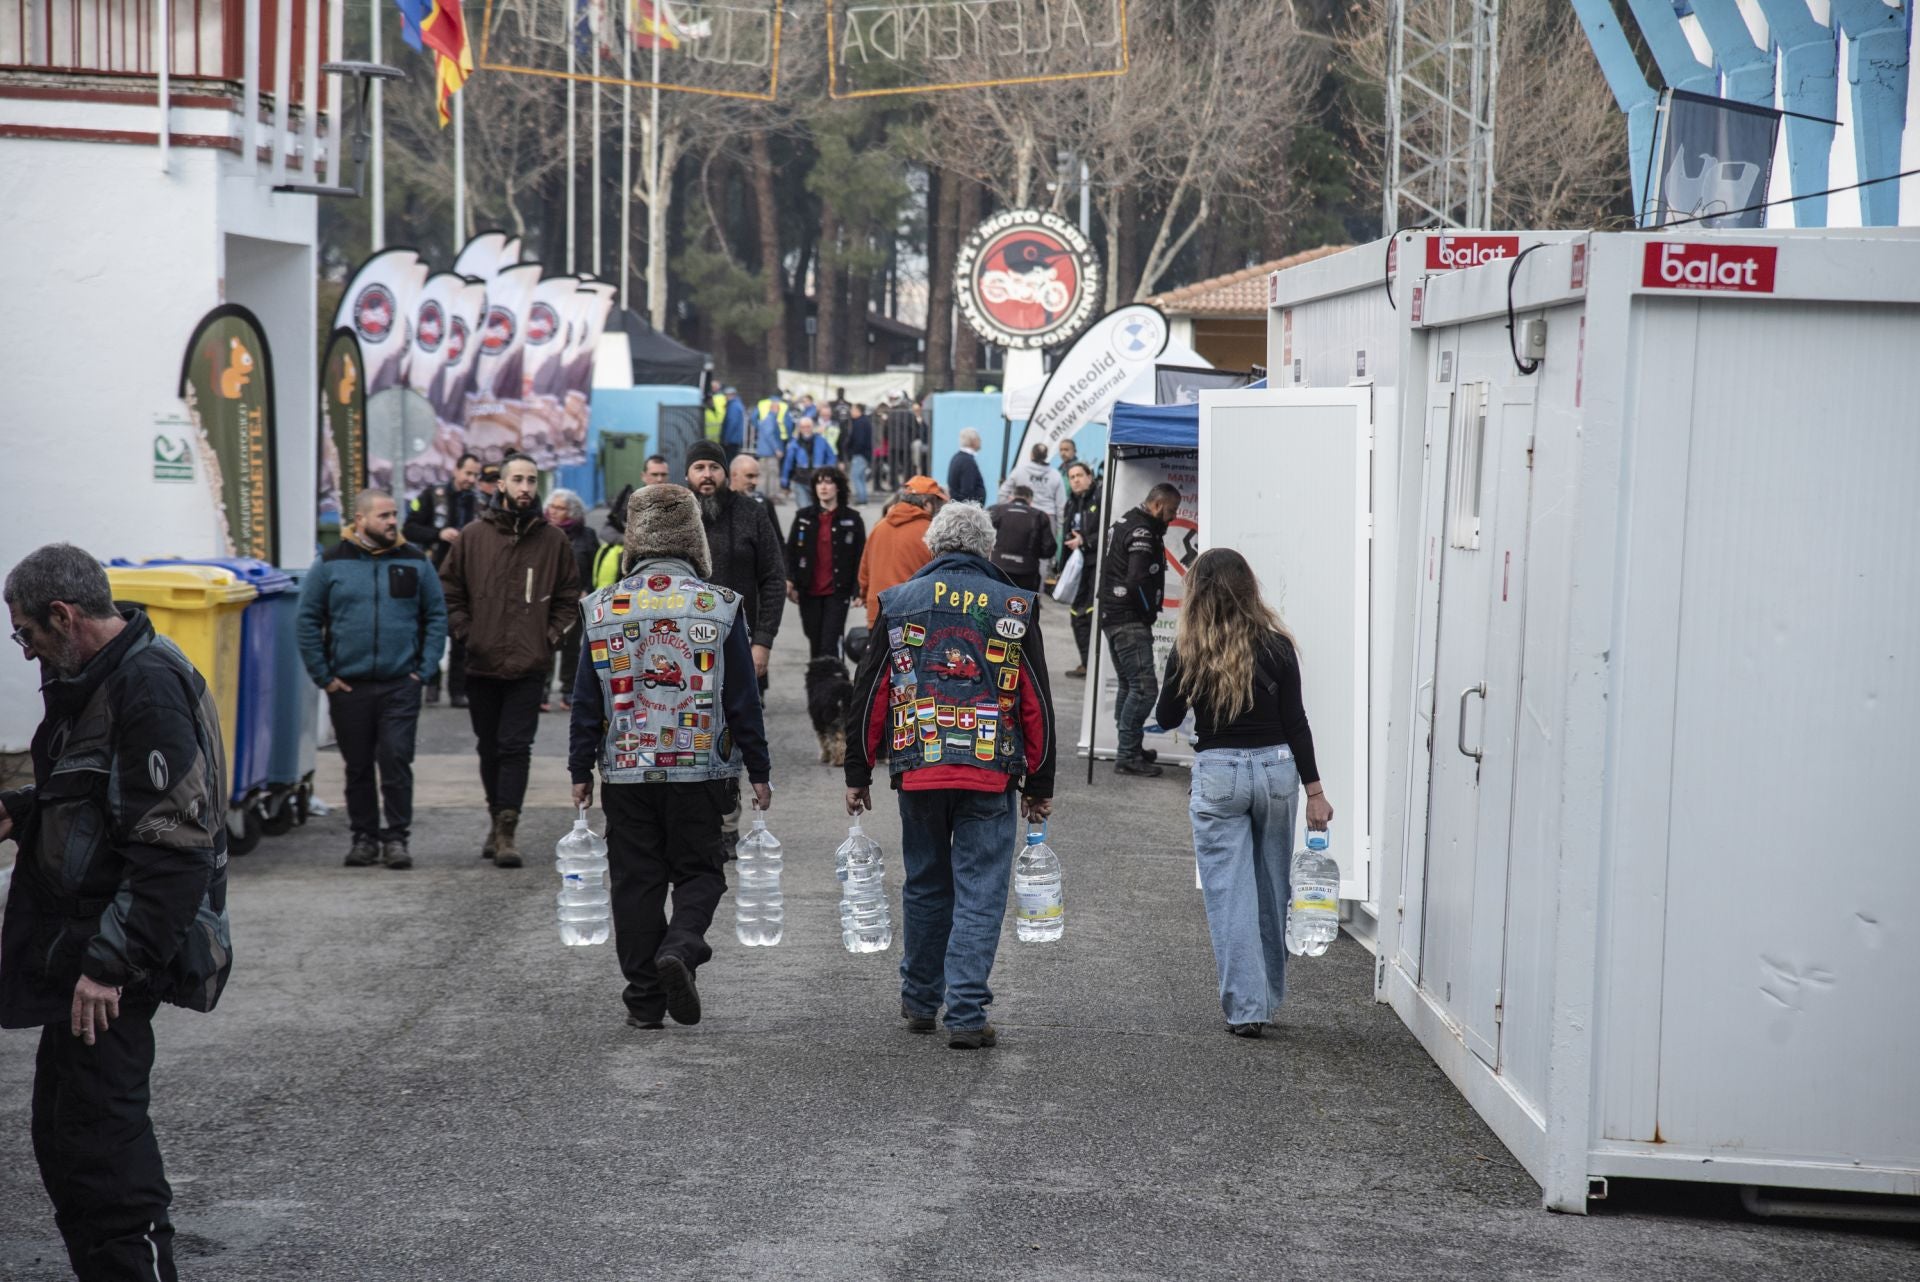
(711,504)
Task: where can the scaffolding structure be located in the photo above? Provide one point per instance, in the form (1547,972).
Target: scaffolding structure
(1442,73)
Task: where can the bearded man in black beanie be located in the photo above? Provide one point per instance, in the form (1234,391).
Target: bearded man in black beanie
(745,543)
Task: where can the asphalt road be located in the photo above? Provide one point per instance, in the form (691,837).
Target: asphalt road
(409,1078)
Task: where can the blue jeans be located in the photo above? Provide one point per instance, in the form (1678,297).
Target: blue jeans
(958,851)
(857,473)
(1242,807)
(1132,646)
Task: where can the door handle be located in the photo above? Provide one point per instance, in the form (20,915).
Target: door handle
(1461,740)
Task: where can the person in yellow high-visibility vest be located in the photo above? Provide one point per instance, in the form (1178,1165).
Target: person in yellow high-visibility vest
(715,414)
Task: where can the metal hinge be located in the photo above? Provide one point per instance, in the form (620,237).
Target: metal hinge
(1500,1006)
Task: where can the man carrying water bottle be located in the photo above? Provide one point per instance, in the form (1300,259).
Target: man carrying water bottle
(666,705)
(955,706)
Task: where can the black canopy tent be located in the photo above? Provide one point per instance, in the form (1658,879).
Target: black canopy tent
(657,359)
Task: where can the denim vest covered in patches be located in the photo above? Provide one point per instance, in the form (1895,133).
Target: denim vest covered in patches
(657,642)
(953,671)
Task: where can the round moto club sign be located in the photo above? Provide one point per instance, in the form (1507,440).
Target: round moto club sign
(1026,278)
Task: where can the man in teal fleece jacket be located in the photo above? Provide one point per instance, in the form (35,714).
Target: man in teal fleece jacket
(372,625)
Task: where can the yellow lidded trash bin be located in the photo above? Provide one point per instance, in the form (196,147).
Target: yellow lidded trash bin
(198,608)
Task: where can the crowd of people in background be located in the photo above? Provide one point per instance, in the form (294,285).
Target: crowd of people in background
(658,627)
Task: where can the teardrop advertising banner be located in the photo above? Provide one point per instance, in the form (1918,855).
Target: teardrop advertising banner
(227,383)
(1115,350)
(343,446)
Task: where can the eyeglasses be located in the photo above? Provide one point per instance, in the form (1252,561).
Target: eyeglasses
(19,636)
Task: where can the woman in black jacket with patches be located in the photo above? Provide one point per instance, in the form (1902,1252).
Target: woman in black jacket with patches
(823,562)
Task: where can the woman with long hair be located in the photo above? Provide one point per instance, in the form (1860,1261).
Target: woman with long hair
(824,545)
(1234,664)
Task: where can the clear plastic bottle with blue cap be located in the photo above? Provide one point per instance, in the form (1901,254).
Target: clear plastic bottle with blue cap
(1313,911)
(586,909)
(1039,891)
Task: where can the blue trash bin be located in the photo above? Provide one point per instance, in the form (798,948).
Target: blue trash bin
(260,628)
(296,718)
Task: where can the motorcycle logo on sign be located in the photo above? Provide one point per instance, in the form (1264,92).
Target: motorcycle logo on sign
(456,340)
(542,324)
(373,313)
(1026,278)
(496,334)
(431,327)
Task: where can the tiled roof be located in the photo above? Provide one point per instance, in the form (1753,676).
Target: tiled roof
(1241,293)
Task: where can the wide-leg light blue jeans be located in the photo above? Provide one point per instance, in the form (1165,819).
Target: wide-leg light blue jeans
(1242,806)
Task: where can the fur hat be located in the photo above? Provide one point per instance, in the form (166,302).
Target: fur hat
(664,520)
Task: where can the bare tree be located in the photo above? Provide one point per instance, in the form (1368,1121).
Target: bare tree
(1559,141)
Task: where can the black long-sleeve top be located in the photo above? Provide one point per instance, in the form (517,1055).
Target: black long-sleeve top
(1276,717)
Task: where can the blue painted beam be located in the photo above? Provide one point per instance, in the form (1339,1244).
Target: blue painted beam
(1630,88)
(1877,68)
(1746,67)
(1671,51)
(1810,85)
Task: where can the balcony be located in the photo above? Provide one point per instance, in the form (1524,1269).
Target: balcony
(100,70)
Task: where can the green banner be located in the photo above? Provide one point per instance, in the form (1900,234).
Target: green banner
(227,383)
(343,446)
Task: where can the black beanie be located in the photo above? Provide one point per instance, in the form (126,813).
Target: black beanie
(705,452)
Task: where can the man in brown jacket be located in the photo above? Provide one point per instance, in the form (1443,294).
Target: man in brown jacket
(512,588)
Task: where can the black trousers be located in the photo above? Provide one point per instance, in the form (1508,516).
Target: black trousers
(1081,612)
(456,670)
(98,1155)
(661,834)
(824,620)
(375,724)
(506,717)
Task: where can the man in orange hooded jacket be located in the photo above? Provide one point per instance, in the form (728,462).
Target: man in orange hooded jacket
(897,548)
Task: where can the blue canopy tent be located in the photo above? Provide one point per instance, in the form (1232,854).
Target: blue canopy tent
(1135,432)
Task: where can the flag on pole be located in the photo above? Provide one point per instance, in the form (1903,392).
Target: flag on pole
(655,27)
(440,26)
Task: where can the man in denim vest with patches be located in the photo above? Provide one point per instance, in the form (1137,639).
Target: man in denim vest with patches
(956,707)
(666,706)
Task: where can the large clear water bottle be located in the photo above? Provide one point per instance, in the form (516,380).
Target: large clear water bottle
(586,908)
(1039,891)
(1313,913)
(866,926)
(759,909)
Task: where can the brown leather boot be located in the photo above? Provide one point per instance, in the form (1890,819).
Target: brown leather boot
(505,853)
(493,835)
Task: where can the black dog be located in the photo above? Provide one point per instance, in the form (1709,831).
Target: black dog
(829,697)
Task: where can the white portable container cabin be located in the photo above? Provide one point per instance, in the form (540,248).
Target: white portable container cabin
(1343,321)
(1658,913)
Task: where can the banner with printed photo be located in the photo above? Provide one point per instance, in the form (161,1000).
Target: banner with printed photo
(543,368)
(343,438)
(592,304)
(1716,157)
(227,382)
(449,308)
(493,404)
(379,307)
(1132,479)
(1182,384)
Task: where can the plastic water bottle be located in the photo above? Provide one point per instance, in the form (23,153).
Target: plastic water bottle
(1313,914)
(866,926)
(586,908)
(1039,890)
(759,909)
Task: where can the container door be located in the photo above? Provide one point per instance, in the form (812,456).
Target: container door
(1411,894)
(1284,480)
(1483,565)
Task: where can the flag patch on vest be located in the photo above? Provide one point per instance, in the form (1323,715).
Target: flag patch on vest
(903,738)
(703,742)
(903,693)
(628,742)
(626,761)
(632,630)
(597,651)
(1011,629)
(966,718)
(623,603)
(945,715)
(703,602)
(621,685)
(616,644)
(1009,678)
(914,634)
(620,663)
(703,660)
(960,741)
(996,652)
